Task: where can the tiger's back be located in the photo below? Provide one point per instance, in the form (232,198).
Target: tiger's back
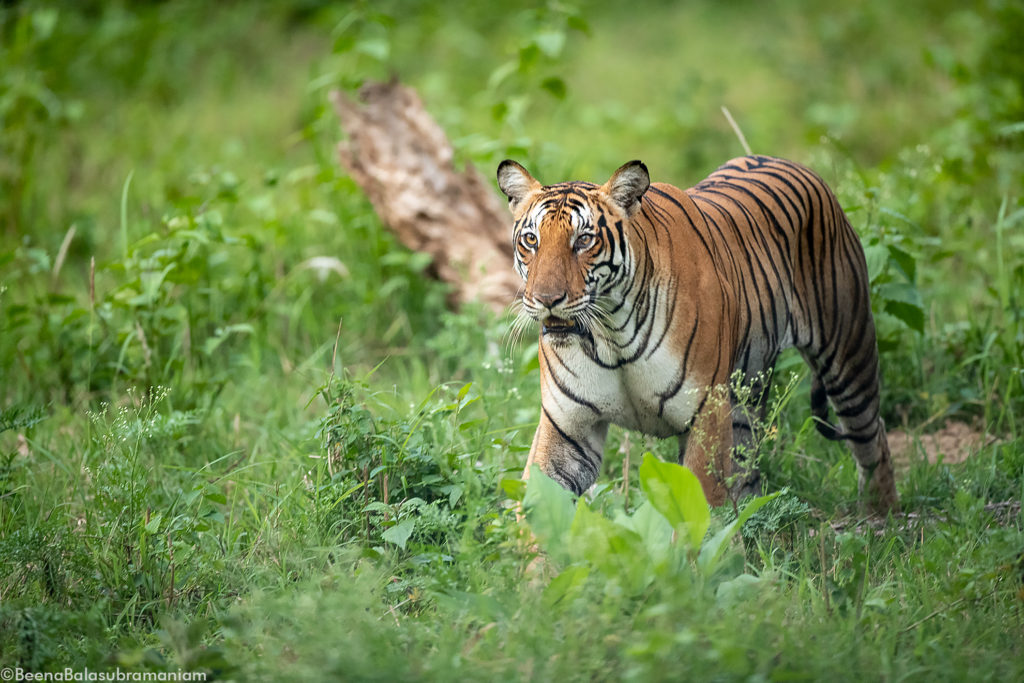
(788,251)
(673,292)
(793,256)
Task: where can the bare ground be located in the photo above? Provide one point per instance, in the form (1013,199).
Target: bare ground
(954,443)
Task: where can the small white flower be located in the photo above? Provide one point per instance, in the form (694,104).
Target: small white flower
(323,265)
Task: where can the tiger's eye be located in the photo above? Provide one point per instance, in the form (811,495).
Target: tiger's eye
(529,239)
(583,242)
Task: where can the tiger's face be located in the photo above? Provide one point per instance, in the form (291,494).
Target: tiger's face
(571,246)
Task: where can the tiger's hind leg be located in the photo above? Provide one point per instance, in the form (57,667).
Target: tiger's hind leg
(850,384)
(706,446)
(749,412)
(876,481)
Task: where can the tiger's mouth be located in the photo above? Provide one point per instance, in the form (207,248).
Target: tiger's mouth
(560,327)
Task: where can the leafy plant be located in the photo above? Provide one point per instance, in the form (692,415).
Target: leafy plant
(666,533)
(396,479)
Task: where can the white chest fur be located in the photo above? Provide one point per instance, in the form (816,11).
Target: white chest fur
(647,394)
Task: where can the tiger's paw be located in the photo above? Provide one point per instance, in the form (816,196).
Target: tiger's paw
(878,489)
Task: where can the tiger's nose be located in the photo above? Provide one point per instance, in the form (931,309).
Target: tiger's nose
(549,299)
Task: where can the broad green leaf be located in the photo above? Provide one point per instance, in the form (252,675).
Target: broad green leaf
(44,21)
(737,590)
(613,549)
(550,42)
(399,534)
(912,316)
(653,529)
(903,301)
(676,493)
(900,291)
(566,586)
(215,496)
(221,335)
(454,492)
(466,425)
(499,75)
(906,261)
(877,602)
(531,361)
(481,606)
(556,86)
(378,506)
(577,22)
(713,549)
(377,47)
(151,281)
(549,510)
(513,488)
(499,111)
(214,516)
(190,497)
(877,256)
(153,525)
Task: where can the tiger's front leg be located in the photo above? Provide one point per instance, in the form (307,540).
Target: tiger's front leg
(568,451)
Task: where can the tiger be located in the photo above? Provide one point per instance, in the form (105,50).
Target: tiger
(652,301)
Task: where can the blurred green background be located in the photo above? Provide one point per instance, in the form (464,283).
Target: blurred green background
(211,447)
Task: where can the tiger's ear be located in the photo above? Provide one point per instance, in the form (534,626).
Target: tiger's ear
(515,181)
(627,185)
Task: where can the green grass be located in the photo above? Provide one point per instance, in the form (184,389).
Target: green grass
(215,457)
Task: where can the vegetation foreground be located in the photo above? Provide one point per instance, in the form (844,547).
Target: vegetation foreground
(241,433)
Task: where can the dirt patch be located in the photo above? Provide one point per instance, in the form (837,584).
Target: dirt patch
(954,443)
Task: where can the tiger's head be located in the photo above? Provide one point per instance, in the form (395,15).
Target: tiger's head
(571,245)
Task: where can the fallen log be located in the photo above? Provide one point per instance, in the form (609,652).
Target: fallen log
(398,154)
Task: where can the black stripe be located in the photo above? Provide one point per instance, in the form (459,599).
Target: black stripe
(678,384)
(566,391)
(583,458)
